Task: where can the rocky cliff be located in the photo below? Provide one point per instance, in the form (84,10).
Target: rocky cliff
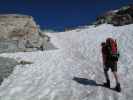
(20,33)
(122,16)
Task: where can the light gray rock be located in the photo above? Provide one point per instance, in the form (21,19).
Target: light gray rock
(20,33)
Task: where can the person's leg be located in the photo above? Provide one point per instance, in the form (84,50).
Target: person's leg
(106,75)
(114,71)
(107,83)
(116,77)
(118,86)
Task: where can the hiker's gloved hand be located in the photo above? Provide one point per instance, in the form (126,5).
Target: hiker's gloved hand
(118,54)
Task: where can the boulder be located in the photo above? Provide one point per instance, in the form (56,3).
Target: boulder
(20,33)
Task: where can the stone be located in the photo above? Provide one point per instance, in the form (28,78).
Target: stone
(122,16)
(20,33)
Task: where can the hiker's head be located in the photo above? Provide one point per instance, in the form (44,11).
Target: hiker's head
(103,44)
(108,40)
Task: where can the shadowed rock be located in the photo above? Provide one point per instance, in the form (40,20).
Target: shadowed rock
(6,67)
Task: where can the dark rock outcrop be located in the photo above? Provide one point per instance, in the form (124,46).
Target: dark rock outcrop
(122,16)
(6,67)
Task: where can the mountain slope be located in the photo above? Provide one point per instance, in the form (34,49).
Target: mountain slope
(72,71)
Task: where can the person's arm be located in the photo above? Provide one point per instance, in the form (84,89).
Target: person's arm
(103,56)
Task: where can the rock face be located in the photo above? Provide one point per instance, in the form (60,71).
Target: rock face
(6,67)
(20,33)
(122,16)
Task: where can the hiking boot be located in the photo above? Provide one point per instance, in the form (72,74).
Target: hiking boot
(118,87)
(107,84)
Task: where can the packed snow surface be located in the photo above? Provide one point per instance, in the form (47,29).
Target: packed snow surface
(72,71)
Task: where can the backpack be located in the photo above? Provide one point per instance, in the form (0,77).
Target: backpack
(112,47)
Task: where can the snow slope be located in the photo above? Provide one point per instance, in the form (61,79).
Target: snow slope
(72,71)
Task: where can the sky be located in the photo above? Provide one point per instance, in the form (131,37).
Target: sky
(61,14)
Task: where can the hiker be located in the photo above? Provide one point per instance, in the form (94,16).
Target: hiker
(110,61)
